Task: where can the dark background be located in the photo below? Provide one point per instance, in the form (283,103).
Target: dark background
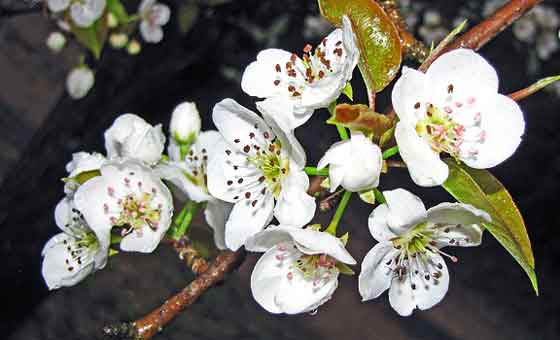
(489,296)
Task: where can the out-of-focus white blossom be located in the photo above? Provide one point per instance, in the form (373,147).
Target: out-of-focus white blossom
(154,15)
(79,81)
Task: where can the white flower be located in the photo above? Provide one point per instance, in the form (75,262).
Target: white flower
(298,270)
(128,195)
(185,123)
(154,15)
(79,81)
(408,258)
(454,108)
(189,175)
(309,83)
(76,252)
(85,12)
(56,6)
(355,163)
(81,168)
(260,170)
(131,137)
(56,41)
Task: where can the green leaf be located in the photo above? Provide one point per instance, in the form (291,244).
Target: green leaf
(94,36)
(386,137)
(368,196)
(187,16)
(390,152)
(85,176)
(482,190)
(348,92)
(118,10)
(344,269)
(377,38)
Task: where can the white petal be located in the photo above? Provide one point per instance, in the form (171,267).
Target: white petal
(401,296)
(185,121)
(84,14)
(210,141)
(56,271)
(405,210)
(237,124)
(503,123)
(409,90)
(79,81)
(268,238)
(294,206)
(365,163)
(216,214)
(461,224)
(378,224)
(268,274)
(375,275)
(151,33)
(160,14)
(173,173)
(277,113)
(424,164)
(428,293)
(145,5)
(246,220)
(300,295)
(313,242)
(63,213)
(83,162)
(466,70)
(258,78)
(58,5)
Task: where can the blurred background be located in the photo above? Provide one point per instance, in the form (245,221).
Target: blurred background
(206,47)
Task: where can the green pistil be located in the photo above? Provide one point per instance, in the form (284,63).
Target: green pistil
(138,211)
(313,267)
(416,240)
(443,134)
(272,166)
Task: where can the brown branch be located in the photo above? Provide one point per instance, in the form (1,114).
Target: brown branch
(485,31)
(412,47)
(189,255)
(226,262)
(395,164)
(328,202)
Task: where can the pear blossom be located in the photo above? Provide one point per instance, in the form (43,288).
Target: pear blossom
(131,136)
(310,83)
(83,166)
(298,271)
(189,175)
(354,163)
(79,81)
(82,12)
(185,122)
(454,108)
(260,170)
(154,15)
(70,256)
(130,196)
(408,259)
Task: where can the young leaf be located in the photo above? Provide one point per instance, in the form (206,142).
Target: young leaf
(377,38)
(368,196)
(344,269)
(118,10)
(94,36)
(348,92)
(361,117)
(482,190)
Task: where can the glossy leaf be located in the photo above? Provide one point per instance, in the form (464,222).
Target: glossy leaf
(361,117)
(482,190)
(378,38)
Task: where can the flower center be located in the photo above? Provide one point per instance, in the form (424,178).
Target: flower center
(82,244)
(197,164)
(137,211)
(318,269)
(272,166)
(439,129)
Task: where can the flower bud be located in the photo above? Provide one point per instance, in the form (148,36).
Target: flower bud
(185,123)
(112,21)
(133,47)
(79,81)
(118,40)
(56,41)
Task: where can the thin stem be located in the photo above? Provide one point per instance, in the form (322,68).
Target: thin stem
(190,255)
(313,171)
(379,197)
(339,212)
(396,164)
(390,152)
(190,210)
(539,85)
(342,132)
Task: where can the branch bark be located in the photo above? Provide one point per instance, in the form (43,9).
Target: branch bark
(187,253)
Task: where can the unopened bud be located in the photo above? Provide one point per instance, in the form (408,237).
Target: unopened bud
(79,81)
(133,47)
(112,21)
(118,40)
(185,123)
(56,41)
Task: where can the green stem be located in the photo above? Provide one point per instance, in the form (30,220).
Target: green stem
(342,132)
(181,215)
(379,197)
(313,171)
(339,212)
(390,152)
(180,229)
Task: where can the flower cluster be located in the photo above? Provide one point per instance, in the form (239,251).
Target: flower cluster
(252,171)
(93,22)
